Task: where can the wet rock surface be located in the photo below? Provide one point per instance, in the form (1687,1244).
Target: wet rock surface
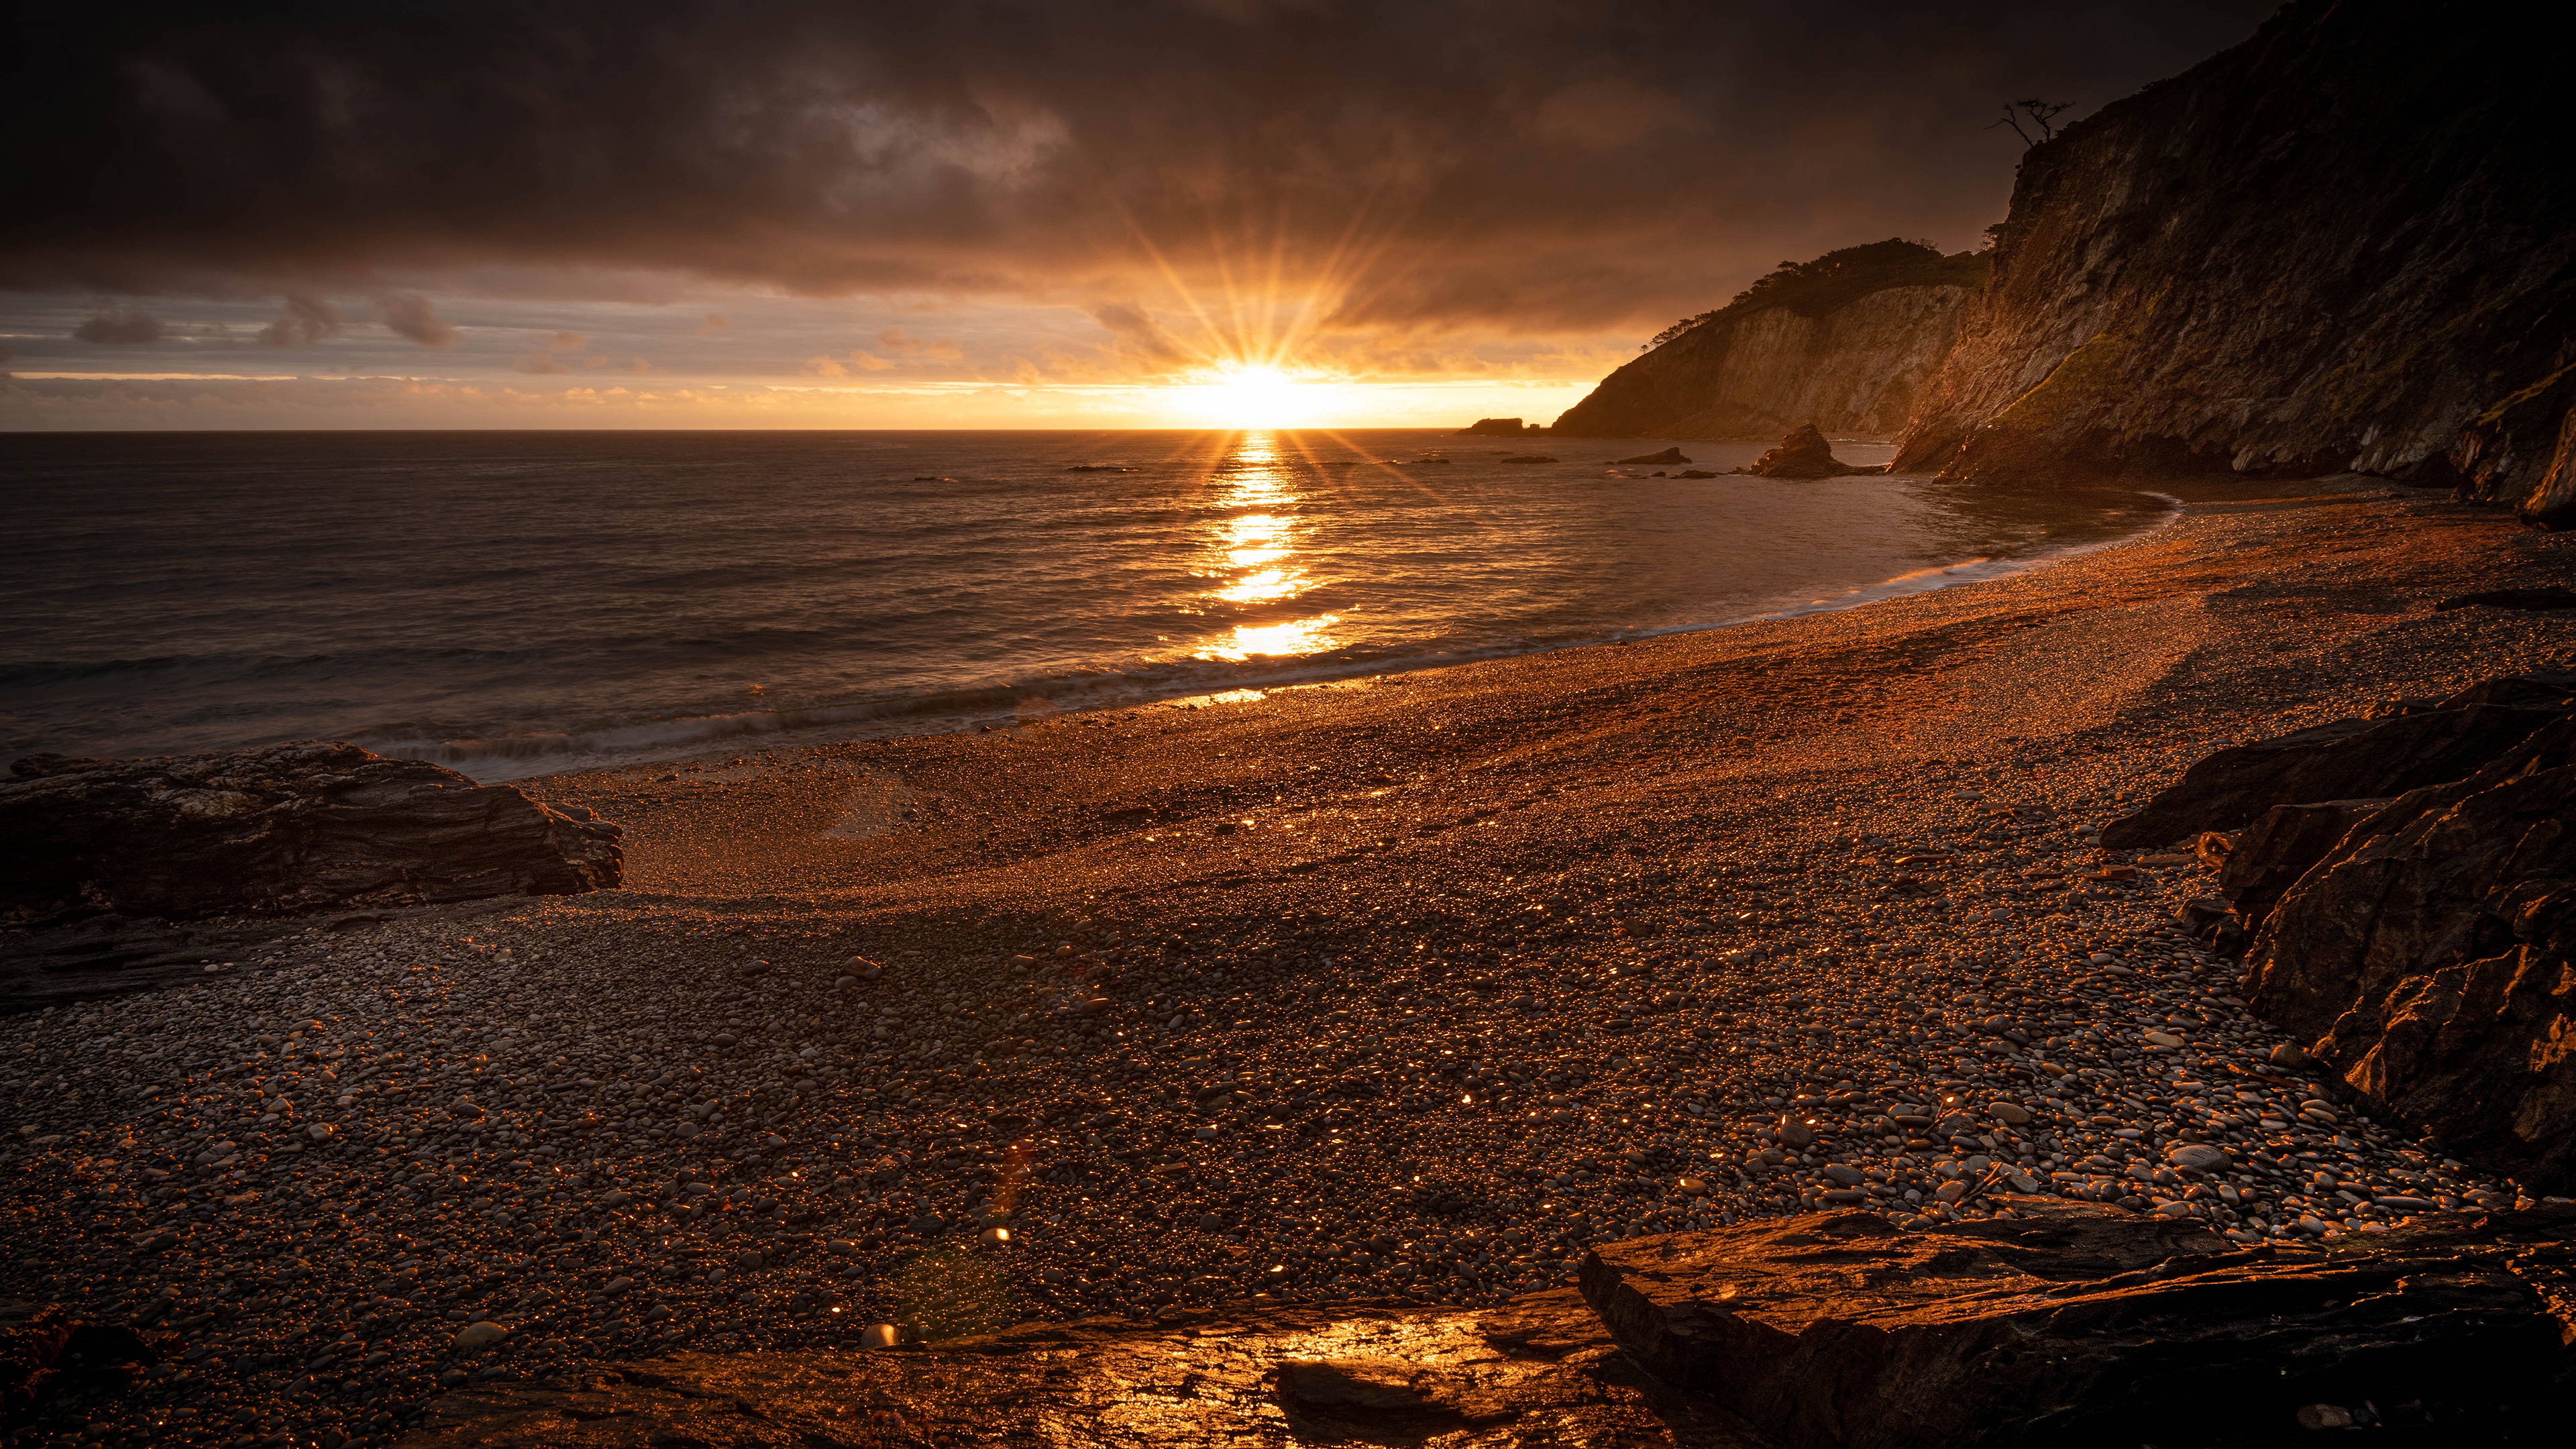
(1804,453)
(2054,1324)
(287,829)
(1538,1371)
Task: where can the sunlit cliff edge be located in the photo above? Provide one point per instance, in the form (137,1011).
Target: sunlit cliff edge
(1843,341)
(2347,243)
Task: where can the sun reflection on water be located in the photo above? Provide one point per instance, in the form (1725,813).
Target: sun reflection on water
(1252,556)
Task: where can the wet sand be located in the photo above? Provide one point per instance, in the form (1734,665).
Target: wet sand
(1402,989)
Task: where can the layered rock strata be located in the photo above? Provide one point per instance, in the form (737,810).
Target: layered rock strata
(285,829)
(2337,245)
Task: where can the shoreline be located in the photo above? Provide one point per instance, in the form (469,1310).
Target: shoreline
(701,739)
(1407,988)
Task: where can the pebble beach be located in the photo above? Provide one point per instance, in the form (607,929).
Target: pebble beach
(1401,990)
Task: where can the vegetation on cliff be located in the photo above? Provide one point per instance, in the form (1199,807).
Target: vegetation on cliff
(1841,341)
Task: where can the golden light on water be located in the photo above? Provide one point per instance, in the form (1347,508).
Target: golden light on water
(1300,636)
(1253,557)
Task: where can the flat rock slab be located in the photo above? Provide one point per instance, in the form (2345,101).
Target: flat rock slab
(291,828)
(1539,1371)
(2073,1324)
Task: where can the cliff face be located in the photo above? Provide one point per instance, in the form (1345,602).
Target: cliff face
(1846,349)
(2337,245)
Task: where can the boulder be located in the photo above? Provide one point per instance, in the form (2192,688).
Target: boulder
(2069,1323)
(2431,959)
(1802,454)
(290,828)
(2341,760)
(1669,455)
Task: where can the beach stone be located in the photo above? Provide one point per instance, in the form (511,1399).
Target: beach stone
(1797,1134)
(2011,1114)
(474,1337)
(2197,1156)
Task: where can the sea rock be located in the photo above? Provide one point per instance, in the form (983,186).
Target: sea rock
(1497,428)
(1538,1371)
(2431,960)
(2346,759)
(1669,455)
(290,828)
(1531,458)
(1847,339)
(1802,454)
(2522,451)
(2241,189)
(2074,1324)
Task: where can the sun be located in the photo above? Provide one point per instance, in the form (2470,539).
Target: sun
(1250,395)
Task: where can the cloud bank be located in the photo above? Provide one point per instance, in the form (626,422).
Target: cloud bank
(1405,167)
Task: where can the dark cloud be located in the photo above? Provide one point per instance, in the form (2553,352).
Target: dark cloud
(1528,164)
(123,328)
(408,314)
(302,321)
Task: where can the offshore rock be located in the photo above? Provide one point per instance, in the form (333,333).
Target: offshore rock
(2432,958)
(1669,455)
(1846,339)
(1539,1371)
(1802,454)
(2340,760)
(291,828)
(2319,250)
(1496,428)
(2074,1324)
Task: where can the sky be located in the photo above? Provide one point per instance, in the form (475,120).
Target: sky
(793,213)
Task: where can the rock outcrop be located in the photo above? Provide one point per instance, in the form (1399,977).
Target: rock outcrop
(1802,454)
(1497,428)
(2342,760)
(2068,1324)
(1845,340)
(2062,1324)
(2334,246)
(286,829)
(2431,958)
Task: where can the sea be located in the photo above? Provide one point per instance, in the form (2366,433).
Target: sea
(514,604)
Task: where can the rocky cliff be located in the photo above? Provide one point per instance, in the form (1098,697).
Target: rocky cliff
(2337,245)
(1843,341)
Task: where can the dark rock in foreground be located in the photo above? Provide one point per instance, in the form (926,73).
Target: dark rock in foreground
(2431,955)
(292,828)
(2066,1324)
(2347,759)
(1802,454)
(2071,1324)
(1536,1372)
(1669,455)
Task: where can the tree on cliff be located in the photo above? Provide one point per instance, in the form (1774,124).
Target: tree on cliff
(2038,113)
(1819,286)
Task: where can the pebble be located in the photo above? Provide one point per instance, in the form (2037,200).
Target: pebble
(1735,1012)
